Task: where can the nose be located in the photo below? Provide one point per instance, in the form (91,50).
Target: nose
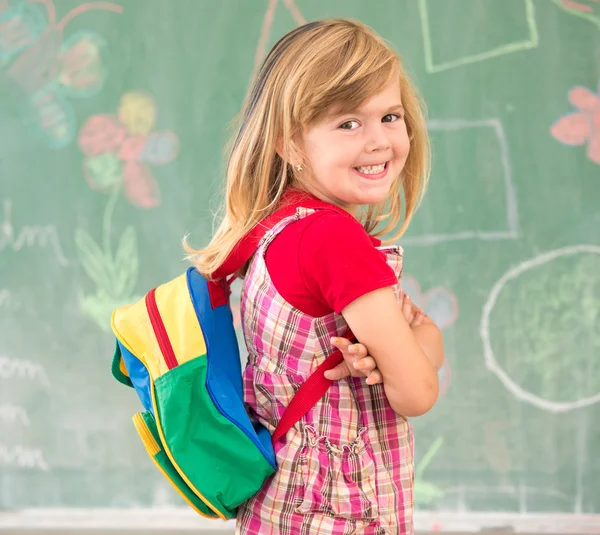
(377,139)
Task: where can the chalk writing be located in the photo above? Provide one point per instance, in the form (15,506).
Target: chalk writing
(11,414)
(28,236)
(22,369)
(22,457)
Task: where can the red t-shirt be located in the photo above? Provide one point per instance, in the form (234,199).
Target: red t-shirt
(324,261)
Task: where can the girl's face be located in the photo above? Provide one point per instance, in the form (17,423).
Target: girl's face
(355,158)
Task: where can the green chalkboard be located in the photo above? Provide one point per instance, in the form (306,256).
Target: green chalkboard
(113,119)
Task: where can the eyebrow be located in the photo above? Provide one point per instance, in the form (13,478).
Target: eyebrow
(393,107)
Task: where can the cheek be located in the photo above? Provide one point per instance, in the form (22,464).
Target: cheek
(324,161)
(402,144)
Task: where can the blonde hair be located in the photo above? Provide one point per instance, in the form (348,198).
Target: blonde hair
(318,68)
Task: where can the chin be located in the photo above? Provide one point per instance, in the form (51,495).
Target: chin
(374,195)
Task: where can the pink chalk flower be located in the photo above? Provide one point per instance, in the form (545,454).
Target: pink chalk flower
(582,126)
(120,149)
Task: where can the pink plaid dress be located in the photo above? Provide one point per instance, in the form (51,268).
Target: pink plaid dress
(347,466)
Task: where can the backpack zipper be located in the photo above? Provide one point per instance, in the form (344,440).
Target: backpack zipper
(160,331)
(145,434)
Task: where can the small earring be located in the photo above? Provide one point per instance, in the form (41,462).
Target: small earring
(299,168)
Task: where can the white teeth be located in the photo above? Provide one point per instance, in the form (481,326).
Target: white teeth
(372,169)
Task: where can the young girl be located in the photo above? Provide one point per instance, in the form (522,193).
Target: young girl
(331,116)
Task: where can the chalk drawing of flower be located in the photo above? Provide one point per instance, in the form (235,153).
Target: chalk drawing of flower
(427,493)
(582,126)
(441,305)
(586,9)
(119,151)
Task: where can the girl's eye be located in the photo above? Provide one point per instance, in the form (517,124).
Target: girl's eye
(391,117)
(348,125)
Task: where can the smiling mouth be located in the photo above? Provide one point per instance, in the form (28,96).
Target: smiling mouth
(373,171)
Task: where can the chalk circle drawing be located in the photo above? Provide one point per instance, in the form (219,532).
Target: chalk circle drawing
(441,305)
(426,493)
(47,69)
(432,67)
(508,228)
(586,9)
(119,152)
(539,329)
(581,127)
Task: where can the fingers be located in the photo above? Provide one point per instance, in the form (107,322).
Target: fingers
(357,350)
(411,312)
(341,343)
(348,348)
(418,319)
(357,362)
(374,378)
(407,308)
(365,365)
(337,373)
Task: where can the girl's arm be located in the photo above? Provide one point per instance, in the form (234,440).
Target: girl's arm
(409,376)
(429,337)
(427,333)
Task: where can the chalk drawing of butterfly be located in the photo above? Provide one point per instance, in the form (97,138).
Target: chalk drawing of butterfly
(48,70)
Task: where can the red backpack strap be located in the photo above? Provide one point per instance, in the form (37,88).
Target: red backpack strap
(308,394)
(218,288)
(316,385)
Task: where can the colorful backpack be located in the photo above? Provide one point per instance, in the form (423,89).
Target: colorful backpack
(178,348)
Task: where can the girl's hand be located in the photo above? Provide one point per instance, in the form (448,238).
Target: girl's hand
(413,314)
(356,363)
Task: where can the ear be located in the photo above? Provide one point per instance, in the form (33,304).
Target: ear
(279,147)
(293,157)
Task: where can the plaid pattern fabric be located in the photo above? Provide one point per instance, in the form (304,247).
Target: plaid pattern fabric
(347,467)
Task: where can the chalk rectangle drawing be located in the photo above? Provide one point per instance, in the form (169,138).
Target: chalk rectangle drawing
(530,41)
(462,205)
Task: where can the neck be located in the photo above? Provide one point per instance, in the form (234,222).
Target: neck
(300,189)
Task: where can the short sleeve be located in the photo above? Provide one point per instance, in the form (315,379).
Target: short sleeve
(338,260)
